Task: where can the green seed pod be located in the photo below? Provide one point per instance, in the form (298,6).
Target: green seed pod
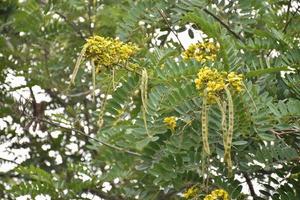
(204,119)
(223,109)
(144,89)
(227,155)
(144,97)
(77,65)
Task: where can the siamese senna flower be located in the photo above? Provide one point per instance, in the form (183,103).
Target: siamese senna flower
(214,82)
(191,192)
(217,194)
(108,51)
(202,51)
(170,122)
(236,81)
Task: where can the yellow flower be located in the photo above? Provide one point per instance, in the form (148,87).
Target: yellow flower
(215,82)
(190,193)
(209,197)
(170,122)
(236,81)
(201,51)
(216,194)
(107,51)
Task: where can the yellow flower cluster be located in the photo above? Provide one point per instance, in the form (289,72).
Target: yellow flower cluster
(170,122)
(236,81)
(190,193)
(202,51)
(107,51)
(213,82)
(216,194)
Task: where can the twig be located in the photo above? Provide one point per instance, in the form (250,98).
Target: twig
(102,194)
(170,27)
(287,16)
(11,161)
(280,133)
(224,24)
(95,139)
(250,185)
(71,24)
(90,4)
(290,20)
(85,93)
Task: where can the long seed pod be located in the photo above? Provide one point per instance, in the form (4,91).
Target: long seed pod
(77,65)
(227,154)
(144,97)
(94,78)
(101,113)
(204,120)
(144,89)
(229,165)
(222,107)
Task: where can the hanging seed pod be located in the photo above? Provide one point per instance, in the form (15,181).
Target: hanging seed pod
(77,65)
(144,97)
(94,78)
(204,120)
(227,154)
(144,89)
(229,165)
(222,106)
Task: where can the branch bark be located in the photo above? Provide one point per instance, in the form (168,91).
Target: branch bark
(250,185)
(237,36)
(170,27)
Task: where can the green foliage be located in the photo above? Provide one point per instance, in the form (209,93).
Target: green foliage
(80,145)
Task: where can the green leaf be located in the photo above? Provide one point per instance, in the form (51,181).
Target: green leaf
(267,137)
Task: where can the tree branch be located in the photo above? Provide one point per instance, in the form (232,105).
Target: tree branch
(71,24)
(288,21)
(90,5)
(237,36)
(103,195)
(11,161)
(250,185)
(95,139)
(170,27)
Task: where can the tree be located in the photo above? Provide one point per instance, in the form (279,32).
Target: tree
(150,117)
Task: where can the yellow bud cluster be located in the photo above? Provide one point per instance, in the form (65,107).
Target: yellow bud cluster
(201,51)
(107,51)
(216,194)
(170,122)
(190,193)
(214,82)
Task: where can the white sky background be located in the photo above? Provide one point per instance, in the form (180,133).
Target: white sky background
(20,155)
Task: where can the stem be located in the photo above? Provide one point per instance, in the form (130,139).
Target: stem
(224,24)
(117,148)
(11,161)
(170,27)
(287,17)
(250,185)
(71,24)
